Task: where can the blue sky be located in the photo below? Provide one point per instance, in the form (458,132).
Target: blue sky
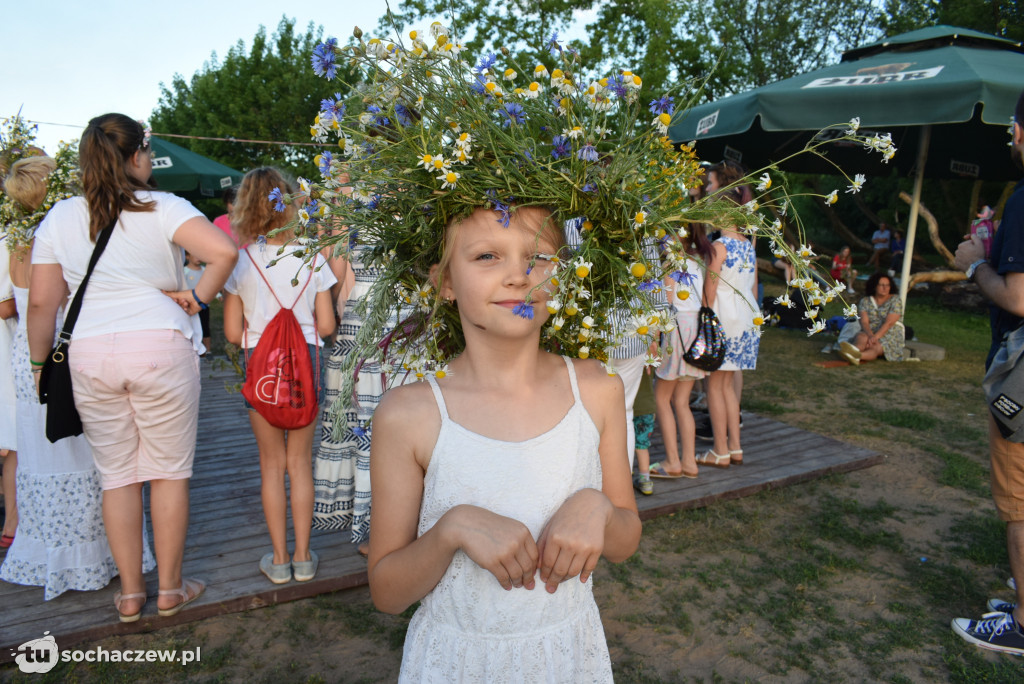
(66,61)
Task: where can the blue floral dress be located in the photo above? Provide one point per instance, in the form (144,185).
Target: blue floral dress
(736,306)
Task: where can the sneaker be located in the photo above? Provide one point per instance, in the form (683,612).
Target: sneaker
(1001,606)
(994,631)
(643,484)
(306,570)
(280,573)
(1012,584)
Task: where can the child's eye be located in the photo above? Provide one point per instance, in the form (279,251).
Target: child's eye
(486,256)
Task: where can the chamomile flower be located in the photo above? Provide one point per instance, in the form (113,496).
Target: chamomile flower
(540,71)
(850,312)
(510,75)
(553,305)
(639,325)
(582,267)
(587,322)
(661,122)
(449,179)
(427,162)
(639,220)
(573,133)
(532,91)
(806,252)
(464,141)
(857,184)
(557,322)
(439,163)
(832,198)
(652,360)
(758,320)
(816,328)
(766,182)
(637,269)
(812,313)
(785,301)
(584,352)
(854,125)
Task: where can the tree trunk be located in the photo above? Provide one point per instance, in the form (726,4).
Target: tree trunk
(933,229)
(936,277)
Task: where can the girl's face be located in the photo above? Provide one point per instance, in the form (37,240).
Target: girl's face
(713,182)
(492,270)
(844,253)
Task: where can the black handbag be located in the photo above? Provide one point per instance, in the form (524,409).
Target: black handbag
(708,349)
(55,380)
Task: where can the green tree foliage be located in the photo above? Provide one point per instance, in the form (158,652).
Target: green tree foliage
(266,93)
(1004,18)
(732,44)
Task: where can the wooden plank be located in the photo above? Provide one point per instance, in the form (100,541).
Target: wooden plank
(227,532)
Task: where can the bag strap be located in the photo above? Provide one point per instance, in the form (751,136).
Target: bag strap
(76,303)
(271,287)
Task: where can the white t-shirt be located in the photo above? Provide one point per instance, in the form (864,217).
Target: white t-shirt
(141,259)
(260,306)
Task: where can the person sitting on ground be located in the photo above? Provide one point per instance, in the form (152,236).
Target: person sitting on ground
(882,332)
(880,245)
(842,268)
(898,246)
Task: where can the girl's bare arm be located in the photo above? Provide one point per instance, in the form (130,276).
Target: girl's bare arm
(403,568)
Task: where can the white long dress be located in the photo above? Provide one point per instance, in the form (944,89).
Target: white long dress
(61,543)
(8,429)
(469,629)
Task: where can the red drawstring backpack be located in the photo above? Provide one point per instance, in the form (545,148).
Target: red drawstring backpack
(279,379)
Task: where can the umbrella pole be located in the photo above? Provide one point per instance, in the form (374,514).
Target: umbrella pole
(915,204)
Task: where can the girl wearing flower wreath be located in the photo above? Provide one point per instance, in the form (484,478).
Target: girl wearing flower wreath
(507,210)
(502,520)
(734,300)
(264,280)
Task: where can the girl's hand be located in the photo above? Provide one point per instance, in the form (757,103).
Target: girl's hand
(573,540)
(185,300)
(502,546)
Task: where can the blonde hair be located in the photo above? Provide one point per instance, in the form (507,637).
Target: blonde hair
(252,213)
(26,183)
(540,219)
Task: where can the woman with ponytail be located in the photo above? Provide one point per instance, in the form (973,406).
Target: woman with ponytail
(134,352)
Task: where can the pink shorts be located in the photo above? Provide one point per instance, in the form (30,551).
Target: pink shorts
(138,395)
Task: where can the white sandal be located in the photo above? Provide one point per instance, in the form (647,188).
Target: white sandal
(710,458)
(197,586)
(732,456)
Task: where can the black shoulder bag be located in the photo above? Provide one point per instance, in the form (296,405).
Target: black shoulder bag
(708,349)
(55,381)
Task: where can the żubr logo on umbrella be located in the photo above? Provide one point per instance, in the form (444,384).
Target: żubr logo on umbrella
(876,76)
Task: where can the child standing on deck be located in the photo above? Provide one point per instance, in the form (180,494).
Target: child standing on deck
(256,290)
(476,503)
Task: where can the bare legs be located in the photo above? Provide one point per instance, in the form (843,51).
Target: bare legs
(868,351)
(724,407)
(10,493)
(672,398)
(122,517)
(286,452)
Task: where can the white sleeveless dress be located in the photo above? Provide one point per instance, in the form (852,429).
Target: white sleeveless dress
(469,629)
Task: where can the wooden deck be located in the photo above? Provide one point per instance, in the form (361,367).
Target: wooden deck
(227,534)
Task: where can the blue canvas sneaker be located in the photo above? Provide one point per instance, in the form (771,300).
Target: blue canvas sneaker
(994,631)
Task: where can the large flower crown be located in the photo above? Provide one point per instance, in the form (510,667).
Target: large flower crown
(426,137)
(17,223)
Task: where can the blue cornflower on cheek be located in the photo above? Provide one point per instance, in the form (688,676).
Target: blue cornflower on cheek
(523,310)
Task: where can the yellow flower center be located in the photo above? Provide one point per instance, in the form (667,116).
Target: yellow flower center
(640,217)
(582,271)
(413,34)
(584,352)
(490,86)
(440,374)
(641,330)
(451,177)
(637,269)
(534,87)
(557,73)
(683,294)
(665,119)
(571,310)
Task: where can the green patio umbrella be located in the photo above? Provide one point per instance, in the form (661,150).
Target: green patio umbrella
(188,174)
(945,94)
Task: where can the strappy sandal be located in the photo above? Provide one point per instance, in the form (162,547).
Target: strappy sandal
(732,456)
(134,617)
(186,584)
(710,458)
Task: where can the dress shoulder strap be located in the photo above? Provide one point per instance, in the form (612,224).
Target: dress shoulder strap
(572,379)
(438,397)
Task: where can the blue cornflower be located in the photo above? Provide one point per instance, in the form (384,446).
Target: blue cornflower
(553,47)
(523,310)
(617,85)
(648,286)
(358,430)
(325,163)
(378,117)
(478,87)
(587,153)
(589,187)
(485,63)
(663,105)
(561,145)
(323,59)
(277,199)
(500,207)
(513,113)
(403,115)
(683,277)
